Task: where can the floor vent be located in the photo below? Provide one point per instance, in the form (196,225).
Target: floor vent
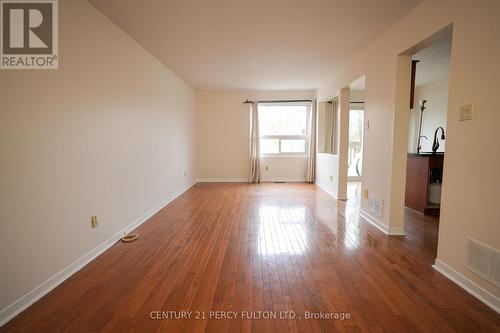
(376,205)
(484,261)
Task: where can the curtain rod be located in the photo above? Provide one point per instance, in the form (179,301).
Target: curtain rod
(280,101)
(330,102)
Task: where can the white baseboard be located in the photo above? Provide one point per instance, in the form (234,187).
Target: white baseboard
(222,180)
(397,231)
(471,287)
(245,180)
(326,189)
(392,231)
(41,290)
(288,180)
(373,221)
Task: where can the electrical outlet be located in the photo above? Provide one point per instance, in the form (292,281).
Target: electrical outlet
(466,112)
(367,124)
(185,173)
(365,193)
(331,178)
(93,221)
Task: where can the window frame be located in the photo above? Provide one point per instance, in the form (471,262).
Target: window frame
(305,137)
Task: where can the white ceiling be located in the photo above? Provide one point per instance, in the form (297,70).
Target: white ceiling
(434,62)
(254,44)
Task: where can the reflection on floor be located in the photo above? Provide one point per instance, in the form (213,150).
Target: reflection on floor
(354,194)
(258,250)
(421,228)
(282,230)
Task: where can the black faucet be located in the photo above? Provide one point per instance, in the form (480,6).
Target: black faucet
(419,145)
(435,144)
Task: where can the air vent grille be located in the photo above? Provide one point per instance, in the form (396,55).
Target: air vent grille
(376,205)
(495,268)
(484,261)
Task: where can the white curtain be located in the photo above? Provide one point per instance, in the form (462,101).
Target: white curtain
(311,165)
(327,138)
(254,176)
(331,128)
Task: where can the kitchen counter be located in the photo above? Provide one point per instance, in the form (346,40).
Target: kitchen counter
(423,171)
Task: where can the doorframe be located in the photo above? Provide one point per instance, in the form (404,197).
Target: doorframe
(401,127)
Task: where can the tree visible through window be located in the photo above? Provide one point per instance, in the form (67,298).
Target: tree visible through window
(283,128)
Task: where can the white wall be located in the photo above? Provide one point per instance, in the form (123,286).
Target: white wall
(327,173)
(110,133)
(469,205)
(223,137)
(327,165)
(436,94)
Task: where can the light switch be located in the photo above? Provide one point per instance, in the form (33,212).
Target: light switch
(466,112)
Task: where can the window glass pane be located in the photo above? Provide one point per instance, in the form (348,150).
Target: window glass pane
(355,157)
(282,119)
(269,146)
(355,125)
(293,146)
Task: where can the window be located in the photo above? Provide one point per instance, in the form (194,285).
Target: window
(355,157)
(283,128)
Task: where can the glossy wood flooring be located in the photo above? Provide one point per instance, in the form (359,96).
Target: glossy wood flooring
(262,248)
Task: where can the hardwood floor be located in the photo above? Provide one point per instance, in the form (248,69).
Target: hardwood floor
(257,248)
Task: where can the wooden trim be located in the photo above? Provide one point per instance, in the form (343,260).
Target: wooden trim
(412,82)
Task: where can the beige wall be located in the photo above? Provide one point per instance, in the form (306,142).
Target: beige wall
(472,165)
(436,94)
(223,137)
(357,95)
(110,133)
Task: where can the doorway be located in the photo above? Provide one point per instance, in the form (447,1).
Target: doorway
(427,129)
(355,158)
(356,132)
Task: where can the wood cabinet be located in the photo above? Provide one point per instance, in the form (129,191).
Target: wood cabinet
(421,171)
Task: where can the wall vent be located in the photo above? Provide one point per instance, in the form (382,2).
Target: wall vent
(484,261)
(376,205)
(495,268)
